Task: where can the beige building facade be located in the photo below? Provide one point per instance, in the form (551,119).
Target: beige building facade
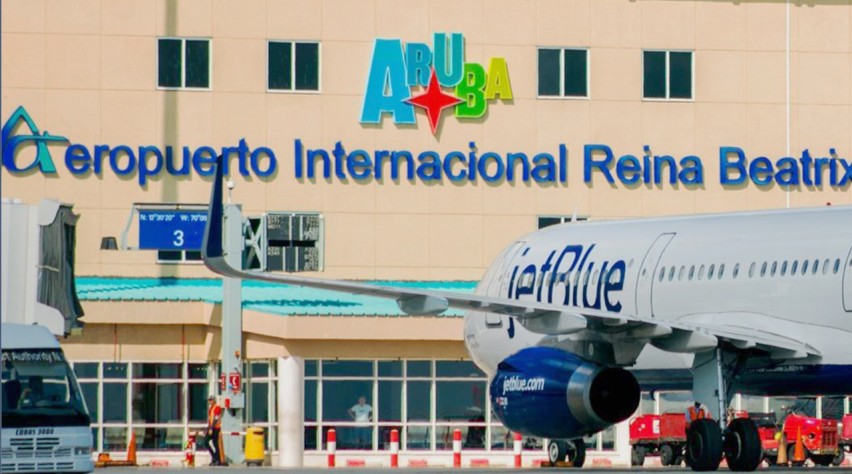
(603,109)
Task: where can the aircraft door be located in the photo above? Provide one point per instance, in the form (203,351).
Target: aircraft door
(647,271)
(847,283)
(499,284)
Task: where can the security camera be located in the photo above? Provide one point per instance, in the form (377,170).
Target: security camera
(231,184)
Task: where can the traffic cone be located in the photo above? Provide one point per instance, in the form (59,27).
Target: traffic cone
(781,459)
(131,450)
(799,450)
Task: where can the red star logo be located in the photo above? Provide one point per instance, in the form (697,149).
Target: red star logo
(434,101)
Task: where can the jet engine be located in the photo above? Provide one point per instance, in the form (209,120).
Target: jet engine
(548,392)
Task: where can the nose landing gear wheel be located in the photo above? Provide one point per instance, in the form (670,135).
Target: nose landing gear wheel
(704,445)
(573,451)
(742,445)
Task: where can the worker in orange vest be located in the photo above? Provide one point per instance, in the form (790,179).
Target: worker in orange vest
(214,428)
(695,412)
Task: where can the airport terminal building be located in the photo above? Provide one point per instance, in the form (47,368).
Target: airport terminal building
(399,142)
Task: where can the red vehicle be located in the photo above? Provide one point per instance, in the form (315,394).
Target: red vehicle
(658,434)
(767,429)
(644,437)
(819,437)
(845,442)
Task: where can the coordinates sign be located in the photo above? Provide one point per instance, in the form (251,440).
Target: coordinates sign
(171,229)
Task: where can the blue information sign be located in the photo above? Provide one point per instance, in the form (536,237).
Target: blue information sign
(171,229)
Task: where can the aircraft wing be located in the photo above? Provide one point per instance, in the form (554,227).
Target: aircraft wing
(538,317)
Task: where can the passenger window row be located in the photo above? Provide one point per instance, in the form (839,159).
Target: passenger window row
(695,273)
(772,270)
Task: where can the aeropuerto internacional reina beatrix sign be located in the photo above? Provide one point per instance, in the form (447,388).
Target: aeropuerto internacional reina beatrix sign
(438,79)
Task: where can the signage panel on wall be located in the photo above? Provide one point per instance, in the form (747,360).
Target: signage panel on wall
(171,229)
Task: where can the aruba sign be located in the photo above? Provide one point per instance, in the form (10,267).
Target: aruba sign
(395,70)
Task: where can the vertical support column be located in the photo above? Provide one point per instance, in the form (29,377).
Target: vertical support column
(622,444)
(708,383)
(291,419)
(232,335)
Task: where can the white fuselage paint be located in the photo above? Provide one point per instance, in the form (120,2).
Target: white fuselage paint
(814,308)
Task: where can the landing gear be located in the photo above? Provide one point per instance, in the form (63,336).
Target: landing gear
(705,440)
(572,451)
(742,445)
(704,445)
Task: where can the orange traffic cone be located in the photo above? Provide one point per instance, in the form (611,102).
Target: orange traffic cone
(799,450)
(131,450)
(781,459)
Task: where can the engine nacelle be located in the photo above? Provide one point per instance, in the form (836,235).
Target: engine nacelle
(547,392)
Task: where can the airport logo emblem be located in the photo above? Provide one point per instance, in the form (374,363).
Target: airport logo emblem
(10,143)
(396,71)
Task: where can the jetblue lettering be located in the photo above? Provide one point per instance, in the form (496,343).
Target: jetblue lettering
(587,283)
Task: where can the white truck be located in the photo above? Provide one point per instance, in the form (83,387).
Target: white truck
(44,416)
(45,423)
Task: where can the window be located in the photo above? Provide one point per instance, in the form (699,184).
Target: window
(183,63)
(149,399)
(179,256)
(293,66)
(668,75)
(563,72)
(425,400)
(547,221)
(294,241)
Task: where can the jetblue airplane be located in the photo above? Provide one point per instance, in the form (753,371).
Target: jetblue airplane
(757,302)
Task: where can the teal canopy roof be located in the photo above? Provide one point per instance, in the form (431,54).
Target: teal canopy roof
(258,296)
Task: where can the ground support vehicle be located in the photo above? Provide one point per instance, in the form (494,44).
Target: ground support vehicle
(44,417)
(819,437)
(672,438)
(767,429)
(663,435)
(844,444)
(644,438)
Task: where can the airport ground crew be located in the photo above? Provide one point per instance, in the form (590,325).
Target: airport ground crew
(695,412)
(214,429)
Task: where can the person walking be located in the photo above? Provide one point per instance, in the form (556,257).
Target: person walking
(214,429)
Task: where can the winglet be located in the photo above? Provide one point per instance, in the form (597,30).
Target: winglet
(211,246)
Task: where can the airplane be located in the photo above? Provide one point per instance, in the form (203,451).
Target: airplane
(755,302)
